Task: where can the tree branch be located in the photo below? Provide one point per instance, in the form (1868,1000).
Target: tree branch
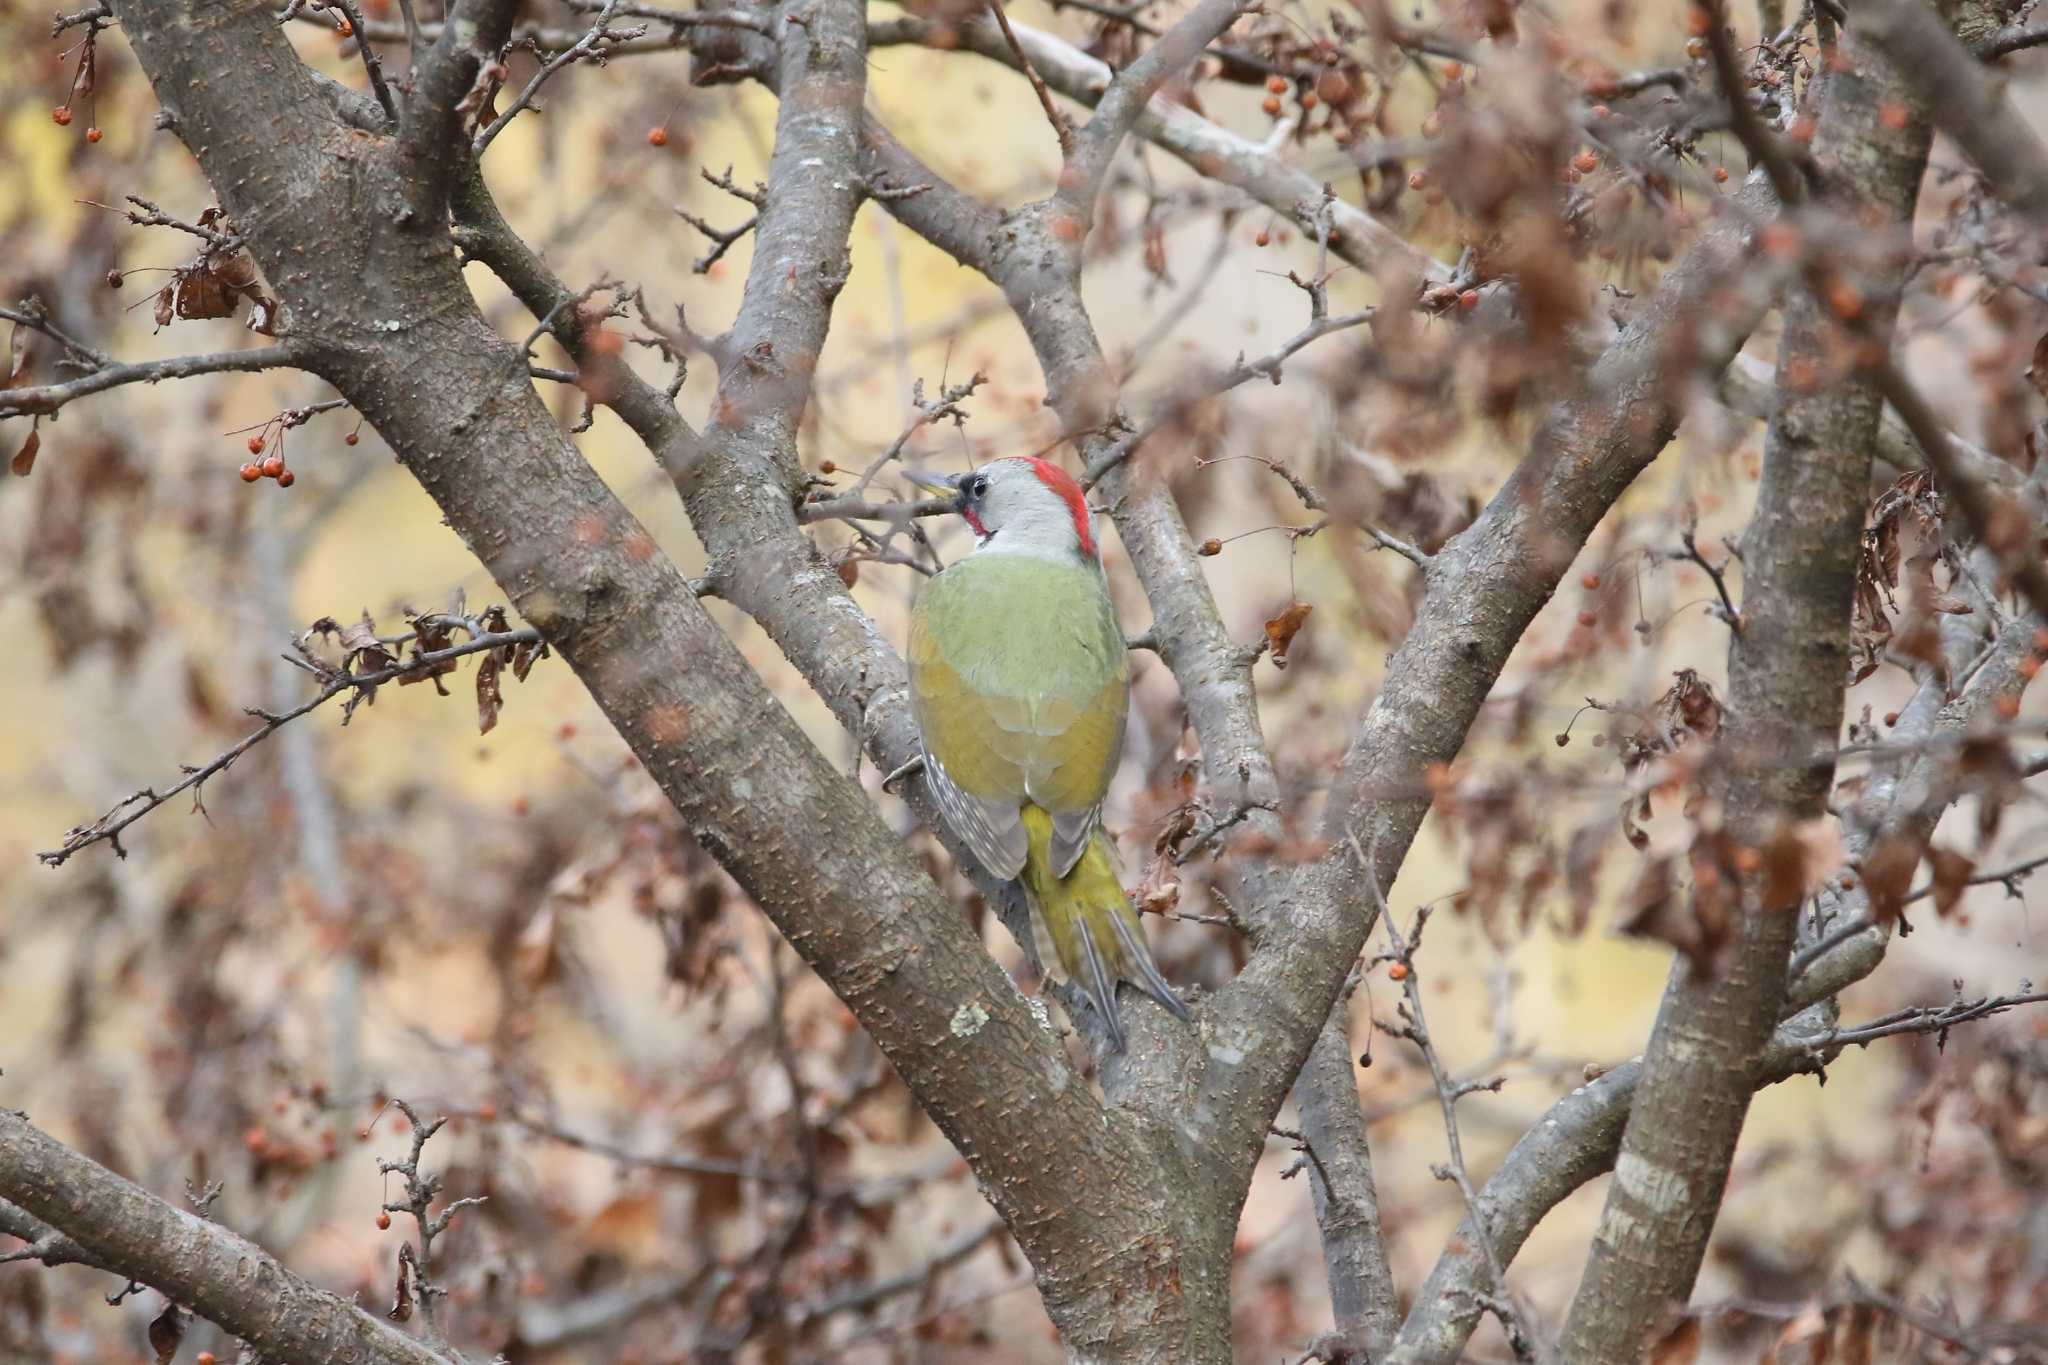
(1125,99)
(132,808)
(1965,100)
(1788,670)
(118,1226)
(48,398)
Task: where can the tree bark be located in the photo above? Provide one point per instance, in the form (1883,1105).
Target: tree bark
(1788,670)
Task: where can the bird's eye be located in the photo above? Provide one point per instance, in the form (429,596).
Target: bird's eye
(977,487)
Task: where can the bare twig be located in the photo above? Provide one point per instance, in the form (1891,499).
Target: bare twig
(421,1189)
(132,808)
(1243,371)
(584,48)
(48,398)
(1060,126)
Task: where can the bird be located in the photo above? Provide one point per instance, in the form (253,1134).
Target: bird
(1020,685)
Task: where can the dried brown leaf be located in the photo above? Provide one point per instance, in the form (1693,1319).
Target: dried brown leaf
(166,1331)
(1952,873)
(25,458)
(490,698)
(1281,630)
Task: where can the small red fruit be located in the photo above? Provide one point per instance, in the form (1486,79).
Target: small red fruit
(92,135)
(1271,104)
(1468,299)
(657,137)
(115,279)
(1588,619)
(273,465)
(256,445)
(383,1222)
(285,478)
(1585,163)
(1211,546)
(1590,582)
(1263,238)
(1276,85)
(350,439)
(61,116)
(1398,971)
(251,472)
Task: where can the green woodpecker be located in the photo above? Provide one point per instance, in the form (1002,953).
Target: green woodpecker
(1020,684)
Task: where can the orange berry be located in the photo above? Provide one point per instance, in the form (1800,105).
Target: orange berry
(1590,582)
(61,116)
(256,444)
(1843,298)
(251,472)
(383,1222)
(92,135)
(115,279)
(657,137)
(1211,546)
(1801,129)
(1263,238)
(204,1358)
(487,1111)
(1454,71)
(1398,971)
(256,1139)
(1891,718)
(285,478)
(828,468)
(1271,104)
(1585,163)
(1418,179)
(1276,85)
(1468,299)
(1720,175)
(1308,99)
(350,439)
(273,465)
(343,28)
(2008,707)
(1893,115)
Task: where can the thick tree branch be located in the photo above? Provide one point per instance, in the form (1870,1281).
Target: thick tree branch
(1965,100)
(1788,670)
(1125,99)
(114,1225)
(1483,589)
(798,836)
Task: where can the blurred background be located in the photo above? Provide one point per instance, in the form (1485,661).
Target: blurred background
(689,1151)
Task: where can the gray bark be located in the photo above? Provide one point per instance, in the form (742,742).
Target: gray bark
(1788,670)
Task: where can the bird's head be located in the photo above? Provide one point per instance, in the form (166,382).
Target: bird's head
(1021,502)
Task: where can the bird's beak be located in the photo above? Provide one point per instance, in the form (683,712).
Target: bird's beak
(934,482)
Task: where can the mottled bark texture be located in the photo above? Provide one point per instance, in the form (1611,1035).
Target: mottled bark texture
(1787,674)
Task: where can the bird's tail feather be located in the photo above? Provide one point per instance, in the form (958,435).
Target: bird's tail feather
(1094,928)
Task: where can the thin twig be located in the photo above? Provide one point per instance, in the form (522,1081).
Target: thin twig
(1268,365)
(109,826)
(1063,129)
(584,47)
